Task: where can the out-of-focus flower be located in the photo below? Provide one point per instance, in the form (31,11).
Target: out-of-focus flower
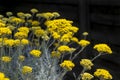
(2,76)
(24,41)
(6,59)
(26,69)
(21,58)
(9,42)
(85,33)
(9,14)
(34,10)
(5,31)
(35,23)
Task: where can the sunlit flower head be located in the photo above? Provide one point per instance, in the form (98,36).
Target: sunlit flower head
(35,23)
(103,48)
(103,73)
(35,53)
(6,59)
(2,76)
(26,69)
(20,35)
(64,49)
(87,76)
(83,43)
(86,63)
(24,41)
(9,42)
(23,29)
(5,31)
(67,64)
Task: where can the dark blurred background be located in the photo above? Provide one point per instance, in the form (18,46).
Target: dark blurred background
(101,18)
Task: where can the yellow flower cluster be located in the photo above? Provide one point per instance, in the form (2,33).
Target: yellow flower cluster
(16,20)
(20,35)
(87,76)
(103,48)
(5,31)
(83,43)
(103,73)
(35,23)
(35,53)
(39,32)
(60,26)
(6,59)
(86,63)
(24,42)
(2,76)
(9,42)
(64,48)
(66,37)
(67,64)
(23,29)
(26,69)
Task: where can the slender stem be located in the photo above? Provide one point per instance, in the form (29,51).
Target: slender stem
(78,53)
(96,56)
(79,77)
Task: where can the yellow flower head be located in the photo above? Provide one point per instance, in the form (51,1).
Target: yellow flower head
(64,48)
(23,29)
(86,63)
(26,69)
(5,31)
(9,42)
(20,35)
(87,76)
(2,24)
(9,13)
(24,42)
(34,10)
(67,64)
(21,15)
(6,59)
(27,15)
(83,43)
(47,15)
(55,35)
(85,33)
(35,23)
(35,53)
(104,48)
(2,76)
(66,37)
(74,39)
(21,58)
(102,73)
(17,42)
(16,20)
(39,32)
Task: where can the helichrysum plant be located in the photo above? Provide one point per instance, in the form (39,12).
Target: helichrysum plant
(33,46)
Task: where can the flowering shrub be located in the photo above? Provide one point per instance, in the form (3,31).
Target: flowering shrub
(33,46)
